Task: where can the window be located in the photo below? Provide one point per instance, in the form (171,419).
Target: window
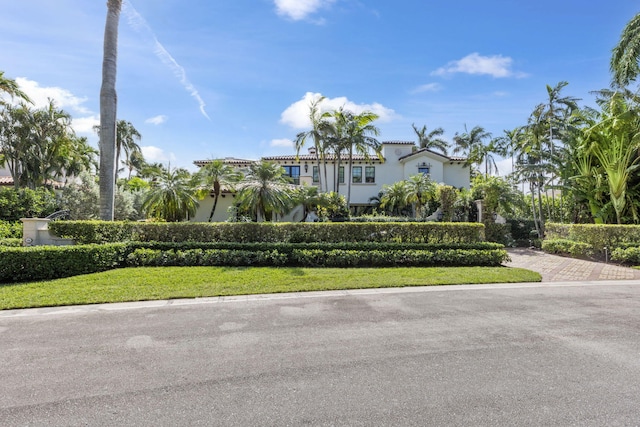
(316,176)
(341,175)
(424,170)
(356,175)
(370,174)
(292,172)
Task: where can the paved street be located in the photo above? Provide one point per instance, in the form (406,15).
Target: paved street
(503,355)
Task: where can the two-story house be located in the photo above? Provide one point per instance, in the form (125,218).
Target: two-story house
(400,160)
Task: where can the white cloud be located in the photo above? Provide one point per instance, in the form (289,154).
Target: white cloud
(85,124)
(429,87)
(157,120)
(300,9)
(63,98)
(281,143)
(156,154)
(497,66)
(297,114)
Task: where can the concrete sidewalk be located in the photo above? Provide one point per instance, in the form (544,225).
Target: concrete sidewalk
(555,268)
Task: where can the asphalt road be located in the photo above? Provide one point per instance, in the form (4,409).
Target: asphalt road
(506,355)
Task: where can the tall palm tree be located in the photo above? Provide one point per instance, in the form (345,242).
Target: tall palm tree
(472,145)
(172,196)
(265,190)
(624,60)
(318,133)
(355,132)
(11,88)
(108,112)
(431,140)
(214,175)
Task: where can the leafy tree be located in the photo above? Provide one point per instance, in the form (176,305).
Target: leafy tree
(431,140)
(108,112)
(447,197)
(39,147)
(16,203)
(265,191)
(213,176)
(172,196)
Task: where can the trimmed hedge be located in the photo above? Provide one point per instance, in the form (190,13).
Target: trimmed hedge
(318,258)
(626,255)
(50,262)
(84,232)
(567,247)
(598,236)
(26,264)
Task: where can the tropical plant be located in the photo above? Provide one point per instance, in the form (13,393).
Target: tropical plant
(108,112)
(11,88)
(172,196)
(624,61)
(355,133)
(215,175)
(320,127)
(431,140)
(265,191)
(420,191)
(471,144)
(395,197)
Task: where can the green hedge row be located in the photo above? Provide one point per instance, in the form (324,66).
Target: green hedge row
(26,264)
(318,258)
(50,262)
(597,235)
(85,232)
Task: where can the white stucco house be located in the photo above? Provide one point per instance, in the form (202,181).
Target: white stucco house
(400,160)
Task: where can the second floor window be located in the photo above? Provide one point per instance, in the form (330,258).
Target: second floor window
(370,174)
(293,172)
(356,175)
(424,170)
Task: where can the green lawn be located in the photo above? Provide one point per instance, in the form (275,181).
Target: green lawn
(152,283)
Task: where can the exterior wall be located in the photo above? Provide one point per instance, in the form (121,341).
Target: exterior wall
(456,174)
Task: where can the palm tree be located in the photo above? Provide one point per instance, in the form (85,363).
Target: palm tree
(431,140)
(11,88)
(214,175)
(318,133)
(172,196)
(134,162)
(395,197)
(624,61)
(421,189)
(108,112)
(126,137)
(265,191)
(355,132)
(472,145)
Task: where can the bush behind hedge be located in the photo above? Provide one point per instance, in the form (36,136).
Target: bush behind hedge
(85,232)
(568,247)
(598,236)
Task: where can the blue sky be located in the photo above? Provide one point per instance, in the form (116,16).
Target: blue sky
(210,79)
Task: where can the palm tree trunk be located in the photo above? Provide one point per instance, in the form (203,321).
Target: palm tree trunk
(349,179)
(108,111)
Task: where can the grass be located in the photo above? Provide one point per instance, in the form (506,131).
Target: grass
(153,283)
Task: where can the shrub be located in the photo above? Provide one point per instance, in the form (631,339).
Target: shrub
(52,262)
(567,247)
(429,232)
(10,229)
(628,255)
(26,203)
(11,242)
(598,236)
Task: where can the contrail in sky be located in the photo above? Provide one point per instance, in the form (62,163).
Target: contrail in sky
(138,23)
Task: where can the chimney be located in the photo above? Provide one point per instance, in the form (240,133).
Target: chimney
(312,150)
